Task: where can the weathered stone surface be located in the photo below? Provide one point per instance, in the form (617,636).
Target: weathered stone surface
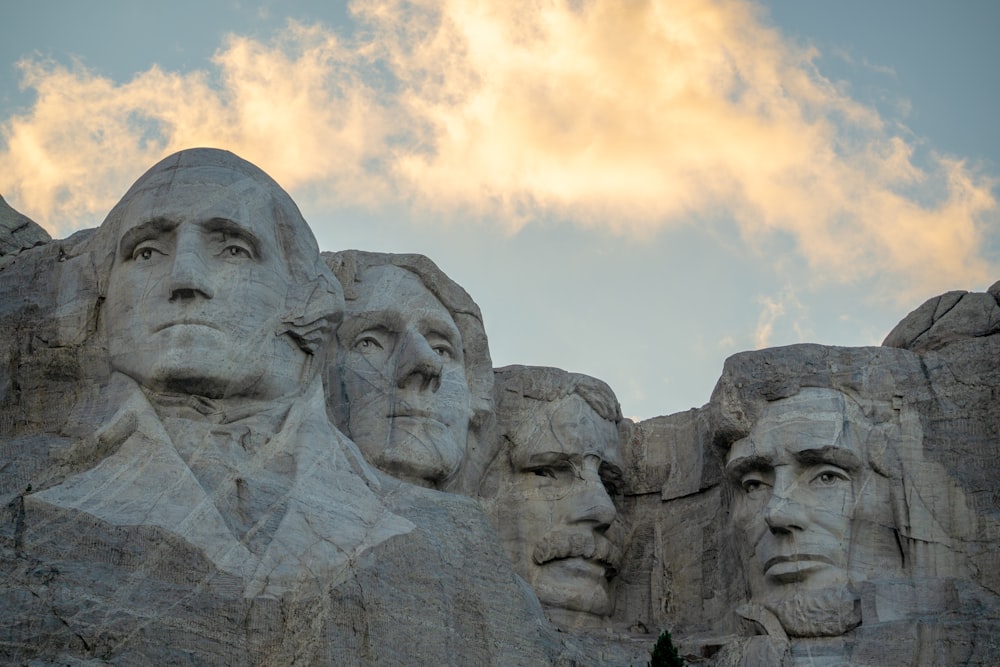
(175,491)
(17,232)
(208,457)
(946,318)
(549,488)
(412,381)
(670,576)
(847,546)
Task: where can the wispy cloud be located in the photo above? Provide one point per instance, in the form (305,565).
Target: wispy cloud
(773,309)
(845,55)
(635,116)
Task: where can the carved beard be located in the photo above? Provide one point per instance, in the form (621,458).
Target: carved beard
(829,612)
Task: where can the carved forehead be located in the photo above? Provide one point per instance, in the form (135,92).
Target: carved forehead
(193,195)
(388,287)
(161,187)
(202,183)
(815,420)
(570,427)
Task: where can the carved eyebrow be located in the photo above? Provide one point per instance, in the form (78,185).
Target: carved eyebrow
(744,464)
(542,459)
(441,327)
(233,229)
(838,456)
(388,321)
(139,233)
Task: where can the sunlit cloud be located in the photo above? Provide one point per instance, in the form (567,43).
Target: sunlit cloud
(294,106)
(635,116)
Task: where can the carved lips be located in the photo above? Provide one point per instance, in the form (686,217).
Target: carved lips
(188,322)
(796,567)
(422,414)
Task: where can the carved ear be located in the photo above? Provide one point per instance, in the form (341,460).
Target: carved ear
(312,312)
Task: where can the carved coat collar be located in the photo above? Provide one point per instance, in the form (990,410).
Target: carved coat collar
(333,512)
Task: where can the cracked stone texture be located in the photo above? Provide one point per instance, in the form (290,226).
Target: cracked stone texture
(412,379)
(938,409)
(551,489)
(17,232)
(952,316)
(80,588)
(117,547)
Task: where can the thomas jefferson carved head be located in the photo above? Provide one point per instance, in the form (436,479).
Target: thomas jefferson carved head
(549,490)
(413,379)
(213,282)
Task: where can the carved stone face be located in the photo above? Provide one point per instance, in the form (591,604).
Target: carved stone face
(811,514)
(404,377)
(554,510)
(197,290)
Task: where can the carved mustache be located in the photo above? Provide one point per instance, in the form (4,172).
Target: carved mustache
(572,544)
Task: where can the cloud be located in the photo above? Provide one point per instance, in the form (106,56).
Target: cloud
(774,309)
(636,116)
(771,310)
(294,105)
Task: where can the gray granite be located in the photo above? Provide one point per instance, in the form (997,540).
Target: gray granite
(218,447)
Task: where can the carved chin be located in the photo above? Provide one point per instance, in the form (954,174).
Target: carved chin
(428,454)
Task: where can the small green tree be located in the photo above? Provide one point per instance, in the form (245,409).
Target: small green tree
(664,653)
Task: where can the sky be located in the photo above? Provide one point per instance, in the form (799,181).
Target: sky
(632,189)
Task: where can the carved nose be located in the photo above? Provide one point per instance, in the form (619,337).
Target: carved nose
(189,277)
(593,504)
(784,514)
(418,366)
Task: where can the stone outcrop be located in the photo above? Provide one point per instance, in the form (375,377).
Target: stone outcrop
(17,232)
(219,447)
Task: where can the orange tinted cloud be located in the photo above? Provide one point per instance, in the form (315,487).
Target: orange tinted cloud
(631,115)
(292,105)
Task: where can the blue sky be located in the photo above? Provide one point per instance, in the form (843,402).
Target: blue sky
(630,190)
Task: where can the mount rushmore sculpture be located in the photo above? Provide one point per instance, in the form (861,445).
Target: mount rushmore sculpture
(220,446)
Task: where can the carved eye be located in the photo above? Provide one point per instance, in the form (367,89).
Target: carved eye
(444,351)
(561,471)
(236,251)
(441,344)
(367,344)
(830,478)
(145,253)
(753,484)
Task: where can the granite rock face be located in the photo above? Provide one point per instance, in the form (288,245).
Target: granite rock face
(550,489)
(219,447)
(174,490)
(17,232)
(412,379)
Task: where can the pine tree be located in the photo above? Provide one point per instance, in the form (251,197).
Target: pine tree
(664,653)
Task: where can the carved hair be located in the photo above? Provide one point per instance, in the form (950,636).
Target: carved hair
(314,303)
(516,385)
